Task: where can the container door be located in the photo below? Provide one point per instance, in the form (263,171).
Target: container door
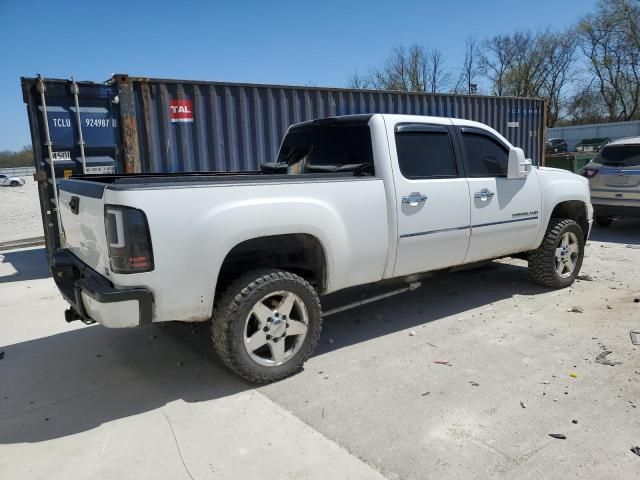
(69,120)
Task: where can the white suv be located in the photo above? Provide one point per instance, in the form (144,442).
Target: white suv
(614,178)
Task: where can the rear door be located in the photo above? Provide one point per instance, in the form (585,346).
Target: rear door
(505,213)
(432,197)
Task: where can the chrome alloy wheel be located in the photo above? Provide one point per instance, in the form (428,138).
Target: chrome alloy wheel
(275,328)
(567,252)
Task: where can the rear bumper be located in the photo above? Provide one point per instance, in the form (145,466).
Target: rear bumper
(94,298)
(611,208)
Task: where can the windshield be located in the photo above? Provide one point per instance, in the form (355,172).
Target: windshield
(619,156)
(327,146)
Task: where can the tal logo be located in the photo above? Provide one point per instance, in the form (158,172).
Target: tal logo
(181,111)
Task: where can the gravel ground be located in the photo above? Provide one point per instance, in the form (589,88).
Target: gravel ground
(20,212)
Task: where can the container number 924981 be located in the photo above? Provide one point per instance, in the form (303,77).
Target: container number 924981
(100,122)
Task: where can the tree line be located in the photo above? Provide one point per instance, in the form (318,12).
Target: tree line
(588,73)
(19,158)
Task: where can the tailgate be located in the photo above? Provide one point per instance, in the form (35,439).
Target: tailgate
(616,183)
(82,214)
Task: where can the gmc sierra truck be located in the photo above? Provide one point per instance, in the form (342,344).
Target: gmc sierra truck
(350,201)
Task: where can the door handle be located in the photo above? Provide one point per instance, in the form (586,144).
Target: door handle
(484,194)
(414,199)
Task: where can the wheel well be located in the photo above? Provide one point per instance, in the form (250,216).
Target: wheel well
(298,253)
(575,210)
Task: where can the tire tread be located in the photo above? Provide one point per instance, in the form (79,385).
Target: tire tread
(541,270)
(226,311)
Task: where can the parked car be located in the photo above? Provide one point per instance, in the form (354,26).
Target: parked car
(7,181)
(614,179)
(556,145)
(364,199)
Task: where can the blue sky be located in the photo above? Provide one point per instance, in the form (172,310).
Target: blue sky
(320,43)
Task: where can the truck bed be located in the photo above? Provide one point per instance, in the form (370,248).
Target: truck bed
(94,184)
(203,217)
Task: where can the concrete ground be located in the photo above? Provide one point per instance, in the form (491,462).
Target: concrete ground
(20,212)
(87,402)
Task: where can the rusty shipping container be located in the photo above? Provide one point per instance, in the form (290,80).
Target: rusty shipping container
(138,124)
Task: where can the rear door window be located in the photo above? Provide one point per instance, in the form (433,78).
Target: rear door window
(425,153)
(619,156)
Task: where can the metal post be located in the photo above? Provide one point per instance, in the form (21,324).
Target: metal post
(74,90)
(42,88)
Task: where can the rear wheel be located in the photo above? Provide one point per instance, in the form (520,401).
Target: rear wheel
(604,221)
(15,184)
(557,261)
(266,325)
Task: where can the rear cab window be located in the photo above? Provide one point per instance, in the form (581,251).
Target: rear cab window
(619,156)
(327,148)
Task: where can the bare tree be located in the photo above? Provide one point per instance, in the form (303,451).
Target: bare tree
(413,69)
(585,106)
(467,80)
(495,60)
(439,78)
(560,51)
(589,71)
(610,41)
(525,64)
(358,81)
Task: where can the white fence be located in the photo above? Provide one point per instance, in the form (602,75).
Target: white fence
(576,133)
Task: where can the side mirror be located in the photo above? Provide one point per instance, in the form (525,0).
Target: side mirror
(519,167)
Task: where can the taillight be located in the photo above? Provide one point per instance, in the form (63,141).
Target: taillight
(589,172)
(128,239)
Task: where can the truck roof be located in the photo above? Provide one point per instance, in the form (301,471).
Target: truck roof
(363,119)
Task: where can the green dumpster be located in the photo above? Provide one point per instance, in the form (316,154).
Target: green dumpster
(591,144)
(574,162)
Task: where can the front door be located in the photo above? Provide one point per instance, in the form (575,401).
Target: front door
(432,198)
(505,213)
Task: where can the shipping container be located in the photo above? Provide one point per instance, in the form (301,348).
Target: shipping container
(144,125)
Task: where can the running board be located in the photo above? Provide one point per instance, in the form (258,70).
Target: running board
(375,298)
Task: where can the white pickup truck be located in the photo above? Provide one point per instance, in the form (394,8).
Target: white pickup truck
(350,201)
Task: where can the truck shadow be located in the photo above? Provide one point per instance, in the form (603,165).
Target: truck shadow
(441,296)
(622,230)
(75,381)
(26,264)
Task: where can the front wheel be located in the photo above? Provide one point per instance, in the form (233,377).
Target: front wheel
(14,184)
(557,261)
(266,325)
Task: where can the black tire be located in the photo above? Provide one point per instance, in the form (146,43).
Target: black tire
(542,269)
(15,184)
(233,308)
(604,221)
